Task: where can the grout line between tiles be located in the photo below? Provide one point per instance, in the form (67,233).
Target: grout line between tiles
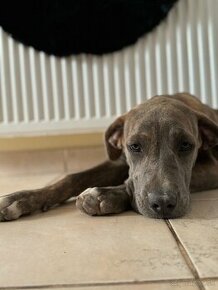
(209,279)
(55,179)
(26,174)
(74,285)
(186,257)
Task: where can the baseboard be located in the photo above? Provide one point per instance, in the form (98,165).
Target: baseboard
(50,142)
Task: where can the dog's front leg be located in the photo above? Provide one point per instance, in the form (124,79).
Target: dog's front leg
(16,204)
(104,200)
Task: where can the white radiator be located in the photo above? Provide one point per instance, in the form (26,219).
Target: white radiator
(42,94)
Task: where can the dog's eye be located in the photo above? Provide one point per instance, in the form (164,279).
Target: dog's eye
(185,146)
(135,147)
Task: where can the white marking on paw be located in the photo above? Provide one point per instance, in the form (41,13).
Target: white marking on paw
(14,208)
(4,202)
(90,190)
(12,211)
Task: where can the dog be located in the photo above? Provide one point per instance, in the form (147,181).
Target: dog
(159,152)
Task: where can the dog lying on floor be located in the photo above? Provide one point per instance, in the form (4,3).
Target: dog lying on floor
(159,152)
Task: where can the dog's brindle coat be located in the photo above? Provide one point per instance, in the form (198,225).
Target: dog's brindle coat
(158,152)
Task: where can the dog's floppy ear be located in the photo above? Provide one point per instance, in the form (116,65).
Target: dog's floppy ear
(208,130)
(113,138)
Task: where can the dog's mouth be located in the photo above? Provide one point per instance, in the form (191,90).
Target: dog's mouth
(165,216)
(151,214)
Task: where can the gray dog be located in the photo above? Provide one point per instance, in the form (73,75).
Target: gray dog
(159,152)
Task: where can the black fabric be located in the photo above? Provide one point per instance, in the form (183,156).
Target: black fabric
(64,27)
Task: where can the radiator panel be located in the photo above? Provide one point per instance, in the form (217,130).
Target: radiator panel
(42,94)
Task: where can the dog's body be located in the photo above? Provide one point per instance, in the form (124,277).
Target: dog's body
(158,152)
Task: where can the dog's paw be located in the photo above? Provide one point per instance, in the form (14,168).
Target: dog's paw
(9,209)
(17,204)
(101,201)
(89,201)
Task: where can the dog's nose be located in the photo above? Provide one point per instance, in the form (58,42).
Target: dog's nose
(163,204)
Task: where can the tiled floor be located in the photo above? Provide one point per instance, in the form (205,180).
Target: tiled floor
(65,249)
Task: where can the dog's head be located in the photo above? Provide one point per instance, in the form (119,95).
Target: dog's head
(161,140)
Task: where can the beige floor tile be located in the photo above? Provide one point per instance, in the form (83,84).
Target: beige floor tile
(84,158)
(205,195)
(64,246)
(189,285)
(31,162)
(15,183)
(198,232)
(211,284)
